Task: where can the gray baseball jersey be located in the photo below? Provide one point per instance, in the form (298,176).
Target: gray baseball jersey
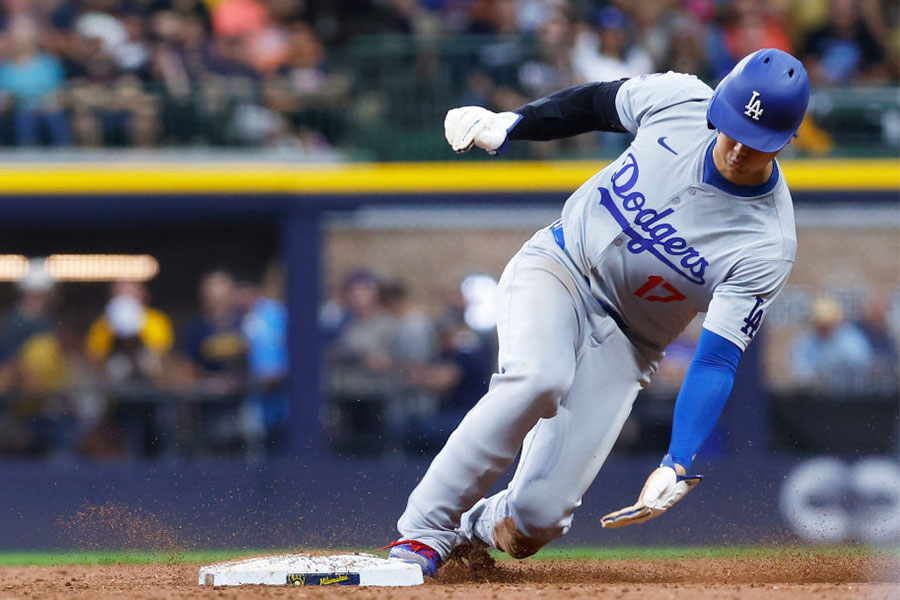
(658,244)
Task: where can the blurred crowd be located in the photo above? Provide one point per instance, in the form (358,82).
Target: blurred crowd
(137,385)
(397,379)
(839,356)
(282,73)
(398,374)
(831,345)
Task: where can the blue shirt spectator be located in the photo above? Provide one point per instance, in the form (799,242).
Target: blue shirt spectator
(32,79)
(844,49)
(834,354)
(265,326)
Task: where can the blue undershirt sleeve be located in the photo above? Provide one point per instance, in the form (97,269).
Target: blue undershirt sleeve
(703,394)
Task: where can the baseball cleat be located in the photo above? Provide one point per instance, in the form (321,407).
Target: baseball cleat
(417,553)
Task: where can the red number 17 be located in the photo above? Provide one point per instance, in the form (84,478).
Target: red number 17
(652,282)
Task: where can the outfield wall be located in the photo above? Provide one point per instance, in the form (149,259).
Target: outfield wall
(330,503)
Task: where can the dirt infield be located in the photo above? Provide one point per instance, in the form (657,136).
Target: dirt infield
(785,576)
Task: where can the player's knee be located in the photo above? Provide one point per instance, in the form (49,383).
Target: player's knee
(547,388)
(540,511)
(512,540)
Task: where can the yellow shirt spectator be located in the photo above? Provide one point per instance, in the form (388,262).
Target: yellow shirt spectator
(156,334)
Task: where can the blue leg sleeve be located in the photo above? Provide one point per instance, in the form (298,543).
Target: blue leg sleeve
(703,394)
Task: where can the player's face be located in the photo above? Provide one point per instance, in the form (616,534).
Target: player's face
(741,164)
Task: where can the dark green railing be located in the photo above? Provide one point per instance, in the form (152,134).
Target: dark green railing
(402,89)
(383,98)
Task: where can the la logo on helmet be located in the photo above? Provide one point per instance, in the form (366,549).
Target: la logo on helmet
(754,110)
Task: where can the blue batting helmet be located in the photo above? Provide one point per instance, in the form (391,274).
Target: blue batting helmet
(762,101)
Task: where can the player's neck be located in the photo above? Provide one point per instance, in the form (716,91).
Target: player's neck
(754,177)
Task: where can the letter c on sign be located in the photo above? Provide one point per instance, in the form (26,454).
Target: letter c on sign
(825,500)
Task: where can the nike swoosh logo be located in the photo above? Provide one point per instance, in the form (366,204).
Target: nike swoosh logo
(662,142)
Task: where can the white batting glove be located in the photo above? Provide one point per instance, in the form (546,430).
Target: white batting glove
(663,489)
(469,126)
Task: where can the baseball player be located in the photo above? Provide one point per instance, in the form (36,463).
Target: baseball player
(695,216)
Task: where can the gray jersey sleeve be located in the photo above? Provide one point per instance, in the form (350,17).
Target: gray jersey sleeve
(739,304)
(642,99)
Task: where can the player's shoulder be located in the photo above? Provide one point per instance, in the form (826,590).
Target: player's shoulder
(670,85)
(640,100)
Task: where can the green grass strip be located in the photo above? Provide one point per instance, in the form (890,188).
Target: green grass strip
(695,552)
(138,557)
(127,557)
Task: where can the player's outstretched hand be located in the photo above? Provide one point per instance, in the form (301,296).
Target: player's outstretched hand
(469,126)
(663,489)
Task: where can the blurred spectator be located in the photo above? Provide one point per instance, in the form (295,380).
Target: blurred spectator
(844,49)
(107,59)
(306,91)
(499,51)
(686,50)
(361,382)
(303,67)
(216,351)
(514,71)
(239,17)
(465,362)
(654,22)
(33,80)
(182,64)
(873,324)
(412,349)
(746,26)
(550,70)
(413,337)
(264,325)
(127,321)
(128,344)
(366,335)
(213,339)
(32,371)
(832,355)
(494,17)
(604,52)
(212,86)
(122,39)
(459,376)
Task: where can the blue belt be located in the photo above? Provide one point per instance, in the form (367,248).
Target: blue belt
(557,229)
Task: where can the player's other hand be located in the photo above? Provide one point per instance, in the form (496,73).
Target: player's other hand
(469,126)
(664,488)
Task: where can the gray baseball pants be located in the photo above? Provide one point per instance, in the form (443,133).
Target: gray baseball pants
(567,380)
